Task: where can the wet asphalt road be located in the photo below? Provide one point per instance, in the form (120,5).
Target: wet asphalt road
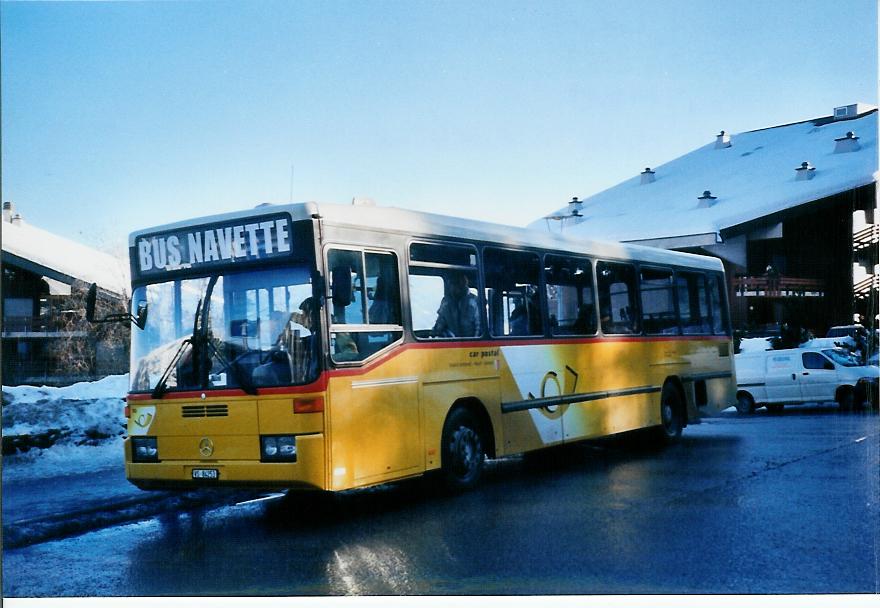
(762,504)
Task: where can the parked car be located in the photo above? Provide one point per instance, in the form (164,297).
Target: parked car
(803,375)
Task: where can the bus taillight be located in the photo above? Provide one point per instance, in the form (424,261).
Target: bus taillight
(308,405)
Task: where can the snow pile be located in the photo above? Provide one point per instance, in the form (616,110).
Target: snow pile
(839,342)
(72,429)
(111,386)
(750,345)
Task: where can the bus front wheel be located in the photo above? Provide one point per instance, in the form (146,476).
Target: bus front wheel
(462,455)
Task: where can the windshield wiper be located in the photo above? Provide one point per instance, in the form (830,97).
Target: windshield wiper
(243,382)
(161,385)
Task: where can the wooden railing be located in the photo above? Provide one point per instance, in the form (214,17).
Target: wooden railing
(778,287)
(46,324)
(863,288)
(866,237)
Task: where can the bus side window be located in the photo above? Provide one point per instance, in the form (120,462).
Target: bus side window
(658,302)
(514,305)
(443,282)
(693,304)
(618,308)
(365,291)
(383,289)
(571,304)
(720,324)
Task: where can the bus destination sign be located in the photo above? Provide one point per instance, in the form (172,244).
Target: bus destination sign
(213,245)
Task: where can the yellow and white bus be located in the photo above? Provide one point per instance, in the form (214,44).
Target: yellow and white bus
(335,347)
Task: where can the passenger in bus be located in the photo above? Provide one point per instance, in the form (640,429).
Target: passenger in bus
(383,310)
(459,312)
(585,322)
(519,321)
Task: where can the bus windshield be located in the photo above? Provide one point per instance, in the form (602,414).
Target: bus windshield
(233,330)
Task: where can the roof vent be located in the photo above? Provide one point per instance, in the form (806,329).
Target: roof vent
(8,209)
(17,219)
(648,176)
(707,200)
(722,140)
(847,143)
(852,110)
(575,205)
(805,171)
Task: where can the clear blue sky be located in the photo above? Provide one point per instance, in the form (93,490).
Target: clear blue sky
(118,116)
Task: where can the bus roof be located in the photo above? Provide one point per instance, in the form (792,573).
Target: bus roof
(420,224)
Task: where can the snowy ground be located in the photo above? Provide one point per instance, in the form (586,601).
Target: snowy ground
(86,422)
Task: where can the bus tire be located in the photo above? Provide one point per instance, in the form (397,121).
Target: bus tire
(745,404)
(671,414)
(462,451)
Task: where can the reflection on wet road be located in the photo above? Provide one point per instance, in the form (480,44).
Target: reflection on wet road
(761,504)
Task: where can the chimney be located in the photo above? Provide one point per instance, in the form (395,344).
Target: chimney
(575,206)
(8,210)
(707,200)
(648,176)
(722,140)
(847,143)
(17,220)
(804,172)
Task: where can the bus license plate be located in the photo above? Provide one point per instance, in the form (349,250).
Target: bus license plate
(205,474)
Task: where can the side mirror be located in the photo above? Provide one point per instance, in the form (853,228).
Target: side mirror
(140,319)
(340,278)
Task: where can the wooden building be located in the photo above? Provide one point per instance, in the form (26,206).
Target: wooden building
(45,338)
(790,210)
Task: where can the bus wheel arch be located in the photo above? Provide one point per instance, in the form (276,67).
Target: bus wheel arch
(466,439)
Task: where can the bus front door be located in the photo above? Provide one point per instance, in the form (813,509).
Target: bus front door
(374,430)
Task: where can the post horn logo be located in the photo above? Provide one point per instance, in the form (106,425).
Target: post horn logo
(554,389)
(206,447)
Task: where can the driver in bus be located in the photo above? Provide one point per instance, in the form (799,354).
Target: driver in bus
(459,312)
(288,354)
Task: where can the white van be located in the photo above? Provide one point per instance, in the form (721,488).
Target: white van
(802,375)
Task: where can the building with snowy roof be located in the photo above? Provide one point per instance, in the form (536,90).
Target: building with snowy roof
(45,339)
(789,209)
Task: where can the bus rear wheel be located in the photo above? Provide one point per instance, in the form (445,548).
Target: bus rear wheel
(671,414)
(462,452)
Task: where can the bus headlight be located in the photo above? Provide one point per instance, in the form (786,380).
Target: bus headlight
(144,449)
(277,448)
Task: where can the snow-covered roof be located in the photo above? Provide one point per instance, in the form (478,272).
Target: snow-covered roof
(62,259)
(752,178)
